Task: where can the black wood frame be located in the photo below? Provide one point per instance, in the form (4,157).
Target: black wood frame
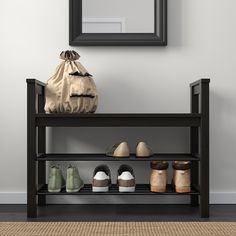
(197,121)
(78,38)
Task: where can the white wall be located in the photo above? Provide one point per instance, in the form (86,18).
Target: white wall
(201,43)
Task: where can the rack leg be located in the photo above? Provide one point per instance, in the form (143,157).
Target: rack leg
(194,147)
(194,198)
(31,153)
(204,152)
(31,193)
(41,165)
(204,180)
(41,176)
(31,171)
(195,165)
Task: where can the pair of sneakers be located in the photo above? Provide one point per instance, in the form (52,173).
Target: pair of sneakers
(122,150)
(181,181)
(102,179)
(56,180)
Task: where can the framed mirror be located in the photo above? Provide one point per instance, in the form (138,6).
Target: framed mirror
(118,22)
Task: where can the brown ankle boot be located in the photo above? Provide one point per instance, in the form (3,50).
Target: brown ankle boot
(158,177)
(181,176)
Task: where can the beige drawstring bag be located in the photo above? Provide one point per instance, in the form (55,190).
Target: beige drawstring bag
(71,89)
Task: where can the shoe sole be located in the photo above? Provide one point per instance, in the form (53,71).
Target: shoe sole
(54,190)
(182,189)
(100,189)
(126,189)
(156,189)
(74,190)
(141,156)
(121,156)
(117,155)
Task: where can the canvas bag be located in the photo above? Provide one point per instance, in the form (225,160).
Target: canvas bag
(71,89)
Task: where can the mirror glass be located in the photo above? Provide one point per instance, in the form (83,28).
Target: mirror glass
(118,16)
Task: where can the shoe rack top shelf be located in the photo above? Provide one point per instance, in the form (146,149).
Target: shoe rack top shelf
(118,120)
(43,119)
(103,157)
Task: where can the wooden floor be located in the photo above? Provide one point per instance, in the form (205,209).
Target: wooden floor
(118,213)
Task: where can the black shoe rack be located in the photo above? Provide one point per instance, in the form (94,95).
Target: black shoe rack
(197,121)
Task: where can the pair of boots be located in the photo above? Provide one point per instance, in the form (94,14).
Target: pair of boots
(56,180)
(181,181)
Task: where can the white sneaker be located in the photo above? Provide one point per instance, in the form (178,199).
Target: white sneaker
(126,179)
(101,179)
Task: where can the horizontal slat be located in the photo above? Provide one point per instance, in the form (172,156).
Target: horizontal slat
(118,120)
(120,115)
(141,189)
(103,157)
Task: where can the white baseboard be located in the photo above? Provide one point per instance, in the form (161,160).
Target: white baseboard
(13,197)
(223,197)
(20,198)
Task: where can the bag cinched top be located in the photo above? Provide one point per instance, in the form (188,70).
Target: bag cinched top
(71,89)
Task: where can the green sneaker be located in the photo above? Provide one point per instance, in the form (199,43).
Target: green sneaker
(55,180)
(73,181)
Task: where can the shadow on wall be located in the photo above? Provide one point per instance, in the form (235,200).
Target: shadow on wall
(97,140)
(175,22)
(222,138)
(139,92)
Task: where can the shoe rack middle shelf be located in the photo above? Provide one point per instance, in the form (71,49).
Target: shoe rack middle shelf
(103,157)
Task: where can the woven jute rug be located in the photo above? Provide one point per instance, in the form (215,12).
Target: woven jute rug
(118,228)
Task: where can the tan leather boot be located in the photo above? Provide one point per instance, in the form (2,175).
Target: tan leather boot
(181,176)
(158,177)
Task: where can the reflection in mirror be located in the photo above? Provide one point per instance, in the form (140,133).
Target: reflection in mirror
(118,16)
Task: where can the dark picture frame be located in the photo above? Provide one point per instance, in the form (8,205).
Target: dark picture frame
(78,38)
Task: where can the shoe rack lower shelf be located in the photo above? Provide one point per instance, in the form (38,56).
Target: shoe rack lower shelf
(141,189)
